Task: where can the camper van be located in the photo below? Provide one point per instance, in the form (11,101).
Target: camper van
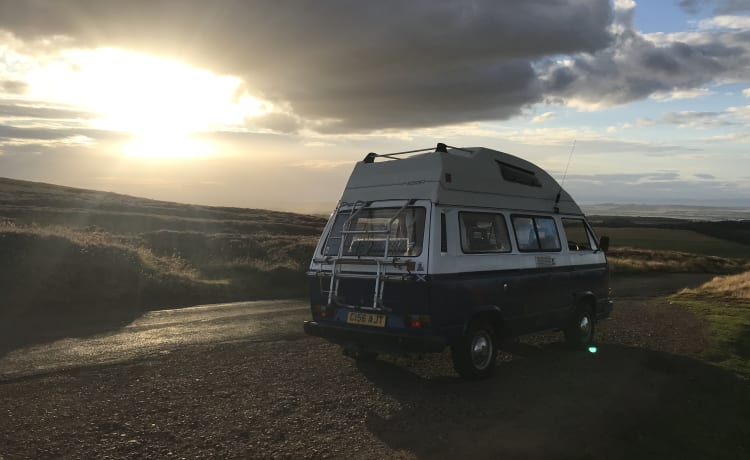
(455,247)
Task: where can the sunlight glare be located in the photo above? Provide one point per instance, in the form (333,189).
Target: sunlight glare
(160,102)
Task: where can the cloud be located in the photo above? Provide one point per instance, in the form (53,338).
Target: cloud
(364,67)
(746,92)
(725,22)
(697,119)
(657,188)
(15,109)
(279,122)
(345,66)
(639,65)
(681,94)
(543,117)
(324,164)
(690,6)
(732,116)
(13,87)
(705,176)
(733,6)
(719,6)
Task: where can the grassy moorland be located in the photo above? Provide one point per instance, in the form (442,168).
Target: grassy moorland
(67,252)
(641,244)
(678,240)
(724,302)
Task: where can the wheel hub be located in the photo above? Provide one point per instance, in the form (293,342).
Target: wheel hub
(585,326)
(481,350)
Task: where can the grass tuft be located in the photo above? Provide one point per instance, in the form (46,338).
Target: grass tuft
(634,260)
(724,302)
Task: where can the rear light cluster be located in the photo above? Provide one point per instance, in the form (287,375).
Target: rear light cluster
(323,311)
(417,321)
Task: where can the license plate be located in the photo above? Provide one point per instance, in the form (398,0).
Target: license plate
(365,319)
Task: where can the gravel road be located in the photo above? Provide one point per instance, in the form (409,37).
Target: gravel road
(289,396)
(159,332)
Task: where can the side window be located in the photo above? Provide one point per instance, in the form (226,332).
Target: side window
(579,238)
(536,233)
(546,230)
(483,232)
(525,234)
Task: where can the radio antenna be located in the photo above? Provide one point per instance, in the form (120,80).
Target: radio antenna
(570,157)
(565,174)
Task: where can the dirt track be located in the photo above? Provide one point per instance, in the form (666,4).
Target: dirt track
(643,395)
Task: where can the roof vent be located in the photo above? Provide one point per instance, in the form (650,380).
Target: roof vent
(518,175)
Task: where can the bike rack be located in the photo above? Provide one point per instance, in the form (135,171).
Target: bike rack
(381,263)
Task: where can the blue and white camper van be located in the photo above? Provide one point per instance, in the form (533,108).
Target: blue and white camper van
(455,247)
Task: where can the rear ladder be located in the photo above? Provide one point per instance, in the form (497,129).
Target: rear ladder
(381,262)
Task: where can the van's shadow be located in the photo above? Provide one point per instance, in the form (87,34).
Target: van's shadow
(551,402)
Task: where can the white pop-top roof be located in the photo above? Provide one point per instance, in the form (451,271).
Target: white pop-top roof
(463,177)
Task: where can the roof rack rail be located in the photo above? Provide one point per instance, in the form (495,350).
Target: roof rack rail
(370,157)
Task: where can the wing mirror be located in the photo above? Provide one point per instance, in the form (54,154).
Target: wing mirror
(604,243)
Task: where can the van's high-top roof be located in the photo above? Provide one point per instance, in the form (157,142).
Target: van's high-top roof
(477,176)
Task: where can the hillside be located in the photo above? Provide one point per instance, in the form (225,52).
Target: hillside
(78,256)
(24,203)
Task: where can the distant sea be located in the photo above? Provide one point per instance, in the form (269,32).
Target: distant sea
(708,213)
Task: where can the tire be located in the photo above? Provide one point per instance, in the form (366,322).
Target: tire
(475,353)
(580,333)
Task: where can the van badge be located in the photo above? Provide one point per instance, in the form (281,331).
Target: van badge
(545,261)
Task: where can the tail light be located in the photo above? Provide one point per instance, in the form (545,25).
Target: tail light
(323,311)
(417,321)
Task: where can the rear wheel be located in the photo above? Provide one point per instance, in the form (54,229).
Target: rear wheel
(474,354)
(580,333)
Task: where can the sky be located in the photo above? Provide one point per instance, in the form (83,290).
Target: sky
(269,104)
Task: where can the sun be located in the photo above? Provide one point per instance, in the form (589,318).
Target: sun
(163,104)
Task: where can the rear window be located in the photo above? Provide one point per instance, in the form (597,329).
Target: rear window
(403,236)
(536,233)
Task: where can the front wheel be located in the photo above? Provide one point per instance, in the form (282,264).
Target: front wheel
(474,354)
(580,333)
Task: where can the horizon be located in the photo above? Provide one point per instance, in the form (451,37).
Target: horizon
(263,106)
(674,211)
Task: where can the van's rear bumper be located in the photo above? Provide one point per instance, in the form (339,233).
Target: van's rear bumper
(376,340)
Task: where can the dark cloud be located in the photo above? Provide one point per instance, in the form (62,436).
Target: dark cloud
(691,6)
(718,6)
(342,66)
(635,67)
(733,6)
(354,65)
(276,121)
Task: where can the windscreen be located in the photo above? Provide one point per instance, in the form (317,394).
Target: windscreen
(371,231)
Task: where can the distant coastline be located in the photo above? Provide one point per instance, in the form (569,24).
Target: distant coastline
(703,213)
